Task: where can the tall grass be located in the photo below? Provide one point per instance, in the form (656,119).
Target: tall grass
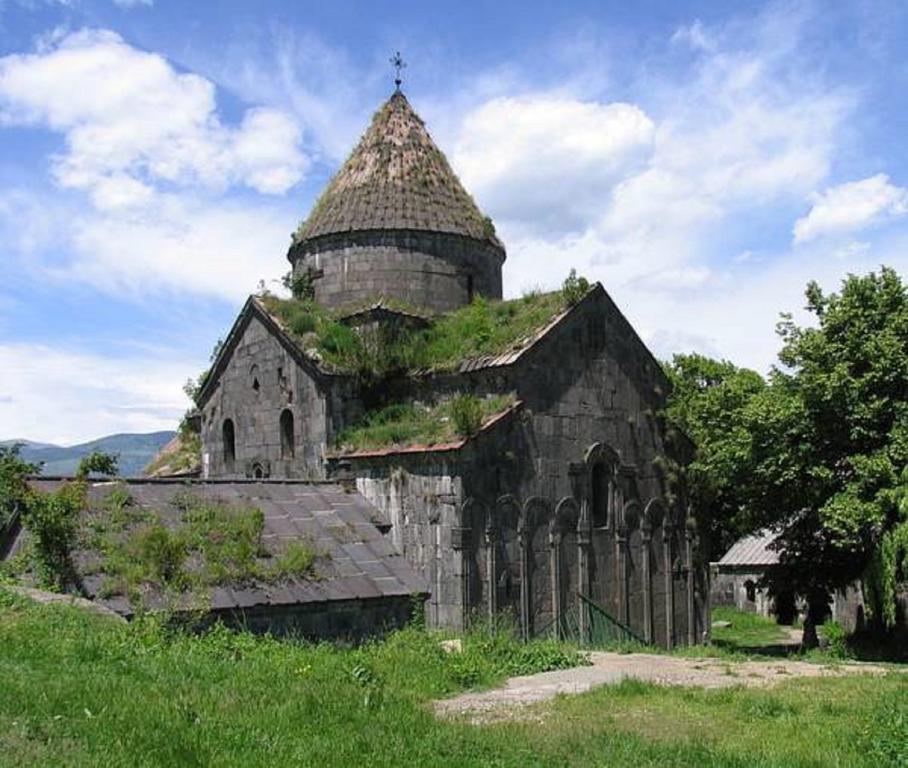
(76,689)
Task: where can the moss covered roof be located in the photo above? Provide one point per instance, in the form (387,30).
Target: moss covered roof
(396,178)
(482,334)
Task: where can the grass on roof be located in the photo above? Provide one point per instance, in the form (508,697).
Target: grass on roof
(404,424)
(482,328)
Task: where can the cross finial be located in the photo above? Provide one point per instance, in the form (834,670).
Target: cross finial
(398,63)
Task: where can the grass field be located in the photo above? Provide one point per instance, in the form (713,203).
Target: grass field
(77,689)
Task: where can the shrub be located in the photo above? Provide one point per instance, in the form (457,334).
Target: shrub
(574,288)
(162,553)
(13,488)
(466,410)
(52,520)
(836,639)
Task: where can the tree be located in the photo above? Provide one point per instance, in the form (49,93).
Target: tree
(709,403)
(14,471)
(830,446)
(819,452)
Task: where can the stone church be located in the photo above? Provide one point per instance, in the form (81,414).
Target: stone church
(560,508)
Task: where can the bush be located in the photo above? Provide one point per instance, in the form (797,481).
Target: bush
(466,410)
(836,640)
(574,288)
(52,520)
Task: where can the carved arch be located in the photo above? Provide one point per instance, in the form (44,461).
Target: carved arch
(630,515)
(536,510)
(602,468)
(566,517)
(653,514)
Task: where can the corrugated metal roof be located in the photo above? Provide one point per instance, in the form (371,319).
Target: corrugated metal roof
(357,561)
(753,550)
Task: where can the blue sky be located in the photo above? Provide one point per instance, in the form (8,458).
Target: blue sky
(702,160)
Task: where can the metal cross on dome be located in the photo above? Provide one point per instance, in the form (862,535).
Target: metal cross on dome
(398,63)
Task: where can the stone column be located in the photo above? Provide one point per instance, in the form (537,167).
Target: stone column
(691,602)
(667,531)
(557,607)
(621,571)
(523,540)
(460,543)
(647,585)
(492,571)
(580,483)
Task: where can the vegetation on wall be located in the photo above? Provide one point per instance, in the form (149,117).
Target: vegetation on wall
(209,544)
(411,423)
(482,328)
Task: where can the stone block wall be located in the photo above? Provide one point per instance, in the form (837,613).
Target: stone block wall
(345,620)
(434,271)
(260,382)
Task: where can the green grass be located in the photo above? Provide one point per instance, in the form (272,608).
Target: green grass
(404,424)
(479,329)
(747,630)
(76,689)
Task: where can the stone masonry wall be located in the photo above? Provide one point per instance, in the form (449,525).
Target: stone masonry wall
(591,394)
(433,271)
(262,380)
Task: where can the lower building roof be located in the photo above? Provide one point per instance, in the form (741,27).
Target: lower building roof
(355,560)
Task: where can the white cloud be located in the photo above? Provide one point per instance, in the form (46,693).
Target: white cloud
(133,3)
(743,132)
(131,121)
(550,159)
(852,206)
(61,396)
(695,36)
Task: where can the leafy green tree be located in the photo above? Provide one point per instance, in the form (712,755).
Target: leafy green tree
(819,452)
(13,486)
(97,463)
(832,442)
(709,403)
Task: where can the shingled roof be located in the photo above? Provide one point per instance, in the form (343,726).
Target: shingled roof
(357,562)
(396,178)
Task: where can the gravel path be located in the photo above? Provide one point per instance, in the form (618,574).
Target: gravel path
(610,668)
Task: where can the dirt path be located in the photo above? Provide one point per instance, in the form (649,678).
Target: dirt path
(609,668)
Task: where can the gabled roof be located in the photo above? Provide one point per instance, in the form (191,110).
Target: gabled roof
(755,549)
(356,561)
(396,178)
(319,370)
(253,308)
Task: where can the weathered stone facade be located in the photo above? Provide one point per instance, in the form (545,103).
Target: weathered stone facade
(438,271)
(568,493)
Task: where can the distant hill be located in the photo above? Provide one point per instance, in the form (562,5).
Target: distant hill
(134,452)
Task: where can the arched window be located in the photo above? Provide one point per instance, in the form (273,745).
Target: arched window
(288,441)
(229,438)
(600,495)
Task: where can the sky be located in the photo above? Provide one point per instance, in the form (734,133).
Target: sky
(704,161)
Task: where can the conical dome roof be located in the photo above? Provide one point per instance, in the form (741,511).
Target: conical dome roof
(396,179)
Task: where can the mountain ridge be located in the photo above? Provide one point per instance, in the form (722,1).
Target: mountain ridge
(134,451)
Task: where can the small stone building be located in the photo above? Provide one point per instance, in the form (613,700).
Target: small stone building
(737,580)
(561,497)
